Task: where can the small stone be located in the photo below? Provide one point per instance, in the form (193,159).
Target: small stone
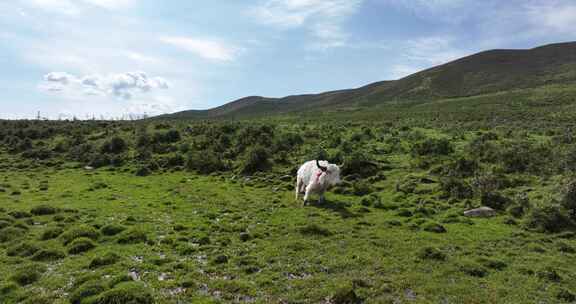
(480,212)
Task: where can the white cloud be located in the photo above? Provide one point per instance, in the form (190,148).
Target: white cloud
(55,6)
(421,53)
(400,71)
(112,4)
(322,18)
(122,86)
(552,16)
(207,49)
(76,7)
(433,50)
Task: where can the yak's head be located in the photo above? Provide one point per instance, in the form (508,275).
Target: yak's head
(332,172)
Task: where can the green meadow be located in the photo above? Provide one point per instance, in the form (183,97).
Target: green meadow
(204,212)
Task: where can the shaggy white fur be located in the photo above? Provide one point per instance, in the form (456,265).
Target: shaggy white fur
(314,179)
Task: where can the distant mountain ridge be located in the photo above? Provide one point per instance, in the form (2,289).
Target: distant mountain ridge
(482,73)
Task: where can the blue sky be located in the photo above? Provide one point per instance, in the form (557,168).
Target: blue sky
(117,57)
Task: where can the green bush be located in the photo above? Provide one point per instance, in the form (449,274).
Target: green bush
(51,233)
(457,188)
(49,254)
(431,253)
(112,229)
(114,145)
(87,290)
(43,210)
(126,293)
(133,236)
(22,250)
(205,162)
(359,163)
(256,159)
(11,234)
(81,231)
(550,217)
(432,146)
(28,274)
(108,258)
(81,245)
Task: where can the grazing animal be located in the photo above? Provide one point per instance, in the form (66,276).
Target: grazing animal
(316,177)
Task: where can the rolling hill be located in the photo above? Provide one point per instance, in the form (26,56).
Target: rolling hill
(487,72)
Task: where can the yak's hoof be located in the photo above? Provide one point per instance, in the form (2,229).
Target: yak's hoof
(305,203)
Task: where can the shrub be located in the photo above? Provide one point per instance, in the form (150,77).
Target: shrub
(51,233)
(108,258)
(82,231)
(461,167)
(28,274)
(432,146)
(359,163)
(455,188)
(494,200)
(566,296)
(17,214)
(550,217)
(126,293)
(114,145)
(22,250)
(474,270)
(112,229)
(49,254)
(431,253)
(569,199)
(81,245)
(132,236)
(346,295)
(87,290)
(433,227)
(10,234)
(205,162)
(360,188)
(43,210)
(256,159)
(314,229)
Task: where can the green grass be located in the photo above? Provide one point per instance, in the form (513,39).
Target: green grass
(186,237)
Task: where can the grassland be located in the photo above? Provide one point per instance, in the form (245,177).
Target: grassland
(156,219)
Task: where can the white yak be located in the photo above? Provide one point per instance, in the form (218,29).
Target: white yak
(316,177)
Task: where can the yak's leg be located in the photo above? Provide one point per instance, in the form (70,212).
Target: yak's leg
(307,194)
(298,187)
(322,198)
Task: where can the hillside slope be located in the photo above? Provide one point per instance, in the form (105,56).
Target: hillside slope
(483,73)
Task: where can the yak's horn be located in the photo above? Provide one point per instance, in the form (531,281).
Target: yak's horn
(321,167)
